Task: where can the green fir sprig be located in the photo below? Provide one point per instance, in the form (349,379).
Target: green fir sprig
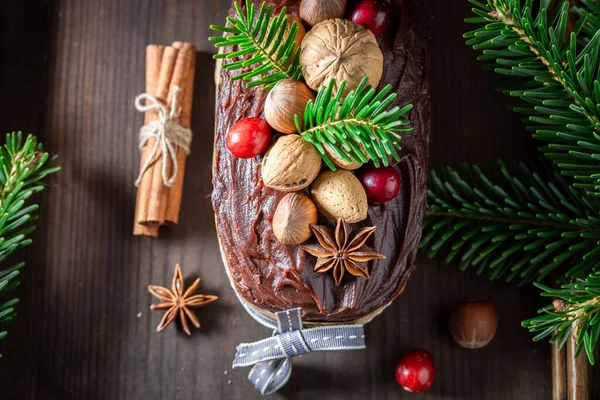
(556,77)
(259,44)
(574,312)
(23,168)
(359,127)
(525,224)
(517,226)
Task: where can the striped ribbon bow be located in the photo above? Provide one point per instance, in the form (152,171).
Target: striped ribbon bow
(271,357)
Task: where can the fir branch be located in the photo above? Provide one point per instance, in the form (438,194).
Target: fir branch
(265,44)
(554,75)
(576,311)
(360,127)
(23,167)
(521,225)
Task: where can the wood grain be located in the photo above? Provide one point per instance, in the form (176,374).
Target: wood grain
(70,71)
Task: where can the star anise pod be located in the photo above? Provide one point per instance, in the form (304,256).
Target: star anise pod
(338,251)
(179,302)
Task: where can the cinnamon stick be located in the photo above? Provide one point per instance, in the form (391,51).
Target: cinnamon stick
(559,357)
(187,84)
(559,373)
(158,190)
(154,55)
(577,372)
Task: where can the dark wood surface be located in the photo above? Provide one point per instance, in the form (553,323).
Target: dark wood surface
(69,72)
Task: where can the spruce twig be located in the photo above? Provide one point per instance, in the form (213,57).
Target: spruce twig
(518,225)
(360,127)
(263,45)
(529,224)
(23,168)
(555,76)
(576,311)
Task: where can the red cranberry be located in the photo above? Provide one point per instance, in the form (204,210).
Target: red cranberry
(381,184)
(371,14)
(416,371)
(249,137)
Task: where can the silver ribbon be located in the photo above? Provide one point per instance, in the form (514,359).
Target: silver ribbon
(272,357)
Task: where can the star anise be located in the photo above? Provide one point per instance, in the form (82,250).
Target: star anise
(337,251)
(178,302)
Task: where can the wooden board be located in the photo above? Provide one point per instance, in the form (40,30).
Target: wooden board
(70,70)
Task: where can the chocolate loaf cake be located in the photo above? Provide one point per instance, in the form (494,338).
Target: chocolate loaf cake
(272,276)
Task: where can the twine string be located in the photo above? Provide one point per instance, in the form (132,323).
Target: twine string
(169,135)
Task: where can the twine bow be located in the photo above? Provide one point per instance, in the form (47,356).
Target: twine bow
(272,357)
(168,134)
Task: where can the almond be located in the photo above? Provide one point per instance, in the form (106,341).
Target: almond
(339,194)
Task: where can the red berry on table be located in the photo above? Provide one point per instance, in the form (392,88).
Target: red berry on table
(416,371)
(249,137)
(371,14)
(381,184)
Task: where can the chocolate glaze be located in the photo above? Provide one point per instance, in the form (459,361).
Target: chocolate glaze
(273,276)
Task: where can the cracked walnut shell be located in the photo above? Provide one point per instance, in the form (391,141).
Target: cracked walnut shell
(290,164)
(340,50)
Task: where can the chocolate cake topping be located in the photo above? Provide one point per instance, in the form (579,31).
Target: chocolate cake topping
(273,276)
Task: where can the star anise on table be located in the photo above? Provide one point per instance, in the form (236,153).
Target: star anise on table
(179,302)
(340,251)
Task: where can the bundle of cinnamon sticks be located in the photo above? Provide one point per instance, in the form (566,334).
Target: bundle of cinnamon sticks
(166,67)
(570,374)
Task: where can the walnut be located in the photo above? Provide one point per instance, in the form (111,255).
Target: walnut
(340,50)
(290,164)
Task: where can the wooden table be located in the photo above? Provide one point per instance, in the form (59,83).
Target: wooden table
(70,70)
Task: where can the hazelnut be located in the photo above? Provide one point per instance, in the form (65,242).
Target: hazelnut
(315,11)
(473,324)
(299,35)
(301,30)
(340,50)
(339,194)
(340,162)
(290,164)
(293,217)
(287,99)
